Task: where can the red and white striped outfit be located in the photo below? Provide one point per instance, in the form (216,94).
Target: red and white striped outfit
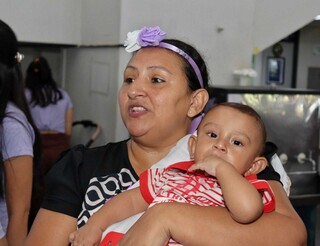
(176,184)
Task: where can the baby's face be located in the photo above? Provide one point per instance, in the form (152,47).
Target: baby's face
(229,134)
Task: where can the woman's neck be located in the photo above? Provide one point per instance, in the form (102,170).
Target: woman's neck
(143,157)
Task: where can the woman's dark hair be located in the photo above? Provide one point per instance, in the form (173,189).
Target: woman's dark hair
(39,81)
(12,87)
(193,81)
(10,73)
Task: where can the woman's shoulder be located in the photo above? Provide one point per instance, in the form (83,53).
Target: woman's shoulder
(83,163)
(65,97)
(12,109)
(18,135)
(15,115)
(63,92)
(109,156)
(114,147)
(113,154)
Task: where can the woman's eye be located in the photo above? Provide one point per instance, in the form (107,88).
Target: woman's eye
(128,80)
(157,80)
(212,135)
(238,143)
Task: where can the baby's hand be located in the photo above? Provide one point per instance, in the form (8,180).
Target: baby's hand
(208,165)
(88,235)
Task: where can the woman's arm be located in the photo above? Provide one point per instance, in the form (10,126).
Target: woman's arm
(3,242)
(61,205)
(196,225)
(118,208)
(68,122)
(51,234)
(18,183)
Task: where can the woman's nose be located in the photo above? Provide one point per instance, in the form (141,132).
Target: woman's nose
(136,89)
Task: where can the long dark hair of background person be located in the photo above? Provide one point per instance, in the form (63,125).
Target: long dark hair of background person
(40,82)
(12,89)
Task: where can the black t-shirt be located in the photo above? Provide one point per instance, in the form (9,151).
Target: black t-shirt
(84,178)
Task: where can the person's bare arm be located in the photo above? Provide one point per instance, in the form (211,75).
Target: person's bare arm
(68,122)
(18,184)
(3,242)
(196,225)
(51,229)
(242,199)
(118,208)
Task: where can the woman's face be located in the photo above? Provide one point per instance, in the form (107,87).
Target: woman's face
(154,98)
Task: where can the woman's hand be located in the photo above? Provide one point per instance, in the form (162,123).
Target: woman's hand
(89,234)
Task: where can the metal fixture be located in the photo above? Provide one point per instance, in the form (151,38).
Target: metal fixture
(302,158)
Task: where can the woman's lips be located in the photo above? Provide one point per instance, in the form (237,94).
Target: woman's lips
(136,111)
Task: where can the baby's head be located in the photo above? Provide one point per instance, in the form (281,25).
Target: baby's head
(234,132)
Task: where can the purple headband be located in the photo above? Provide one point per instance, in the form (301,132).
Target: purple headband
(187,57)
(152,36)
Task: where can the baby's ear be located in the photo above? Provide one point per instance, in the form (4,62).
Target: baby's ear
(258,165)
(192,146)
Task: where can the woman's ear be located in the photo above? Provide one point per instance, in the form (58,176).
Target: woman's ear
(199,100)
(192,146)
(258,165)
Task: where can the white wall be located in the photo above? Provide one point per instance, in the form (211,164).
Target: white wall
(44,21)
(104,22)
(247,25)
(92,83)
(198,23)
(307,57)
(93,22)
(276,19)
(100,22)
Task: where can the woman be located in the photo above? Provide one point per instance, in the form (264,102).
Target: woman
(51,109)
(163,92)
(19,142)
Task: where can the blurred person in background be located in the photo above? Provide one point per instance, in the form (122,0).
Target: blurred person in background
(52,111)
